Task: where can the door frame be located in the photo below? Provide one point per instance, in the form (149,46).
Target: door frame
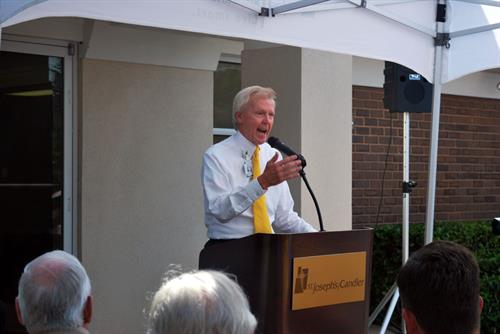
(67,51)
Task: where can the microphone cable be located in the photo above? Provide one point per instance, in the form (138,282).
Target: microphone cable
(384,172)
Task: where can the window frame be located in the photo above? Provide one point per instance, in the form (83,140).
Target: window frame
(233,59)
(65,50)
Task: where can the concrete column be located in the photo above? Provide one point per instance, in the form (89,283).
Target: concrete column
(314,116)
(144,130)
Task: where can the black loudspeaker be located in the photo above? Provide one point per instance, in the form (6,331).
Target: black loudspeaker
(405,90)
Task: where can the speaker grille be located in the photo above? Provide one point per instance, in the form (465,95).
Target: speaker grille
(414,92)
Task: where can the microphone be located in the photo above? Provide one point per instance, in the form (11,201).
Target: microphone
(277,144)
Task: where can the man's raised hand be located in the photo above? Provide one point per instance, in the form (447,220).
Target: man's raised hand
(279,171)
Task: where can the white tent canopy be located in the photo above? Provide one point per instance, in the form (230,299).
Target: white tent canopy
(402,31)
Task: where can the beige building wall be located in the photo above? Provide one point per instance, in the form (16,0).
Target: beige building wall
(143,131)
(327,136)
(314,116)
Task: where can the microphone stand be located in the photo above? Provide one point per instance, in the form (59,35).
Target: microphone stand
(277,144)
(303,176)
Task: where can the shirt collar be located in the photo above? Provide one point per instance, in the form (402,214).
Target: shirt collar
(245,144)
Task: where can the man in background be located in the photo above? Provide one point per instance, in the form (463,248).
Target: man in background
(439,287)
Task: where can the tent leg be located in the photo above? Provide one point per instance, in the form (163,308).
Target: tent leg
(433,149)
(382,304)
(387,318)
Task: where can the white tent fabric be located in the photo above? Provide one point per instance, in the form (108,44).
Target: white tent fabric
(402,31)
(473,51)
(350,30)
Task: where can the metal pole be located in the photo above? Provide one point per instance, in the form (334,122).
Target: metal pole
(433,150)
(406,192)
(405,235)
(406,180)
(381,305)
(389,312)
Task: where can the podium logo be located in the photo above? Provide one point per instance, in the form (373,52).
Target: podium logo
(301,280)
(322,280)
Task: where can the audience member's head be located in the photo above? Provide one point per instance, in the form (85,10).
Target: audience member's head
(439,287)
(54,294)
(200,302)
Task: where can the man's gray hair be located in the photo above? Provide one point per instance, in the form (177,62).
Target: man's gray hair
(53,290)
(243,96)
(204,301)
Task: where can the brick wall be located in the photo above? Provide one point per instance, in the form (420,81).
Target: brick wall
(468,177)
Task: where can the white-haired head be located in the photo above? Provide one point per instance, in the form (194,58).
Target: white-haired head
(200,302)
(243,96)
(53,292)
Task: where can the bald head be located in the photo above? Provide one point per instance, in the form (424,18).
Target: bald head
(54,291)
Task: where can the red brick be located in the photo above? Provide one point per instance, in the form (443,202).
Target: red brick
(468,179)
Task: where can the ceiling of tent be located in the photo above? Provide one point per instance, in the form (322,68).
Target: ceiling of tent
(401,31)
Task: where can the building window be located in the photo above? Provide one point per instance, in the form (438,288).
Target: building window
(227,82)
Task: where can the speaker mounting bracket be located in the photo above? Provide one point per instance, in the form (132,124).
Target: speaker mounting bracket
(408,186)
(442,39)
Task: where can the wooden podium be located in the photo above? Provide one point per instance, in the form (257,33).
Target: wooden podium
(296,283)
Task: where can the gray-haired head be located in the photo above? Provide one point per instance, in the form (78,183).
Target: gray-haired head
(200,302)
(243,96)
(53,291)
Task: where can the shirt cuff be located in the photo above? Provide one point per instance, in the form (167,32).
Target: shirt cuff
(255,190)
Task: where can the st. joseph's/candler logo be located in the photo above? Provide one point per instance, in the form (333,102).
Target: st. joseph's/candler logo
(301,280)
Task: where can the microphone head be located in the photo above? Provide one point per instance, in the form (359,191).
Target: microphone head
(277,144)
(273,141)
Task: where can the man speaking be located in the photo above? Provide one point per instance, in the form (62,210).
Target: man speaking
(243,177)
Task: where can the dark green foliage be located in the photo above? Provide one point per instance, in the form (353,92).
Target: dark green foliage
(477,236)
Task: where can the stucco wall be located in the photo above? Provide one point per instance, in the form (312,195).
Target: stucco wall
(327,136)
(143,131)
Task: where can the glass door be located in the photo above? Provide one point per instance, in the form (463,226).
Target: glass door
(35,159)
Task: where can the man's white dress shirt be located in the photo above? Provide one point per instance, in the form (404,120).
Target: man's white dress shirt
(229,192)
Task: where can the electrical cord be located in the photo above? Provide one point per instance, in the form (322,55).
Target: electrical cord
(385,170)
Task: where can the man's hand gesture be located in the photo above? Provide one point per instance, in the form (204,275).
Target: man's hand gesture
(279,171)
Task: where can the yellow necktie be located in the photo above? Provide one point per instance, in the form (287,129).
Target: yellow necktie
(261,221)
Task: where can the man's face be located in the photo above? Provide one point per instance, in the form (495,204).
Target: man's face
(255,120)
